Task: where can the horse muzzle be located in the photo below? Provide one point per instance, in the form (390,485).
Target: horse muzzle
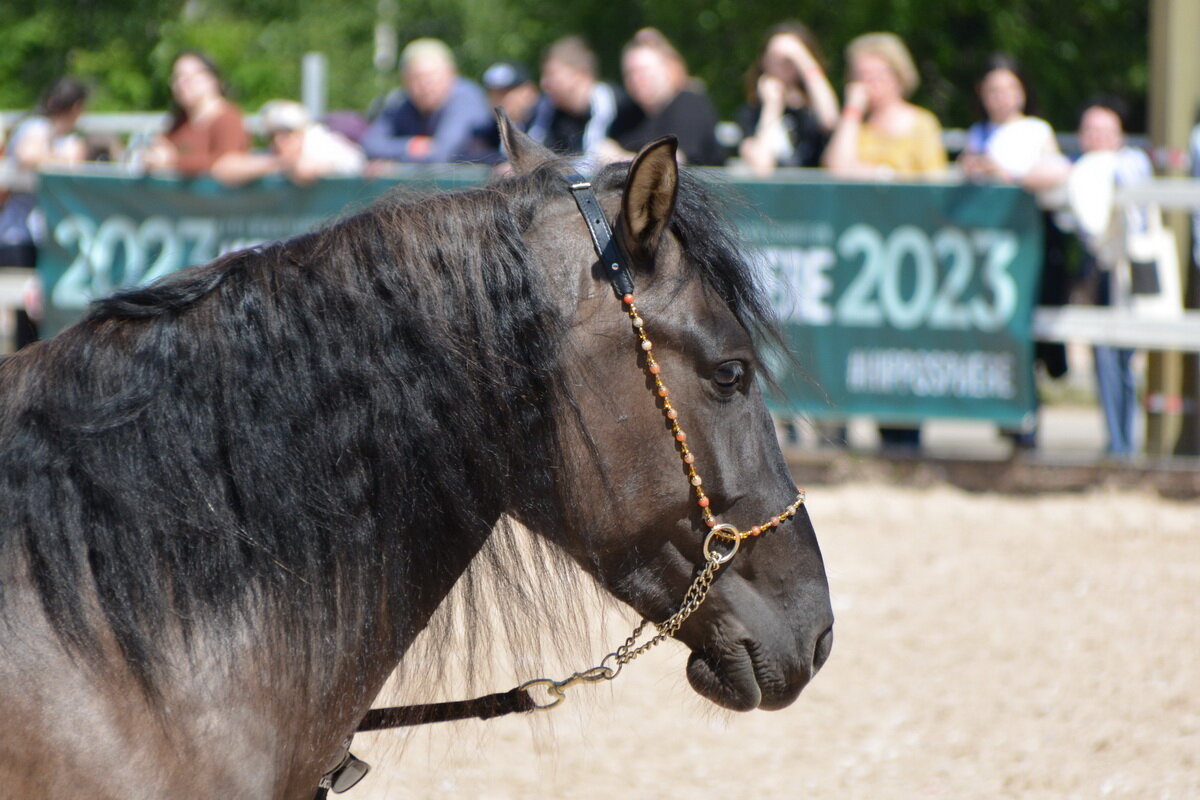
(745,674)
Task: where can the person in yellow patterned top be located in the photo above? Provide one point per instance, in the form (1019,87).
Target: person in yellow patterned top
(880,135)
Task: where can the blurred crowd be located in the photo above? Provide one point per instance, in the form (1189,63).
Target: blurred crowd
(792,117)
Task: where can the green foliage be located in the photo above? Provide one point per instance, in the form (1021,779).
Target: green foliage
(1070,50)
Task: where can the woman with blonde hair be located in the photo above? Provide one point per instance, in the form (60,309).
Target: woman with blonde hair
(880,135)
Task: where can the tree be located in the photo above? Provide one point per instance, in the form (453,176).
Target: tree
(1070,50)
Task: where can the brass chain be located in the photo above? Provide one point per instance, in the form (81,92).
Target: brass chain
(629,650)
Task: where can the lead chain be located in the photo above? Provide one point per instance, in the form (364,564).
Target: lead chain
(691,601)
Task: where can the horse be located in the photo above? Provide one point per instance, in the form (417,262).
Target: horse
(232,499)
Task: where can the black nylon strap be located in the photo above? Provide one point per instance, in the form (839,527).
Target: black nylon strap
(602,235)
(513,701)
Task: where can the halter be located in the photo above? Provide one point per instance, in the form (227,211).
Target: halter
(719,537)
(719,534)
(622,283)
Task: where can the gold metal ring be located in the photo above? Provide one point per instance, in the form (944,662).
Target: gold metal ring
(726,533)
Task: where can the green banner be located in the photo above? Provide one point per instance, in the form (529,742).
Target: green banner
(107,232)
(902,301)
(899,302)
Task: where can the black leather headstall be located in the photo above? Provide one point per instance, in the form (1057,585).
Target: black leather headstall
(602,235)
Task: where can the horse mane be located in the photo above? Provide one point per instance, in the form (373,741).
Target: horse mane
(161,453)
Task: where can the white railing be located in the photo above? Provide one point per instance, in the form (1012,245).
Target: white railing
(1118,327)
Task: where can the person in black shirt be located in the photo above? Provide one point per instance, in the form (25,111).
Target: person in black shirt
(665,102)
(792,107)
(576,109)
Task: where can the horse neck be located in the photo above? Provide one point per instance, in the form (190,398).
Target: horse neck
(458,408)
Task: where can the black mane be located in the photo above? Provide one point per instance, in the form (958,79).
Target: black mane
(292,426)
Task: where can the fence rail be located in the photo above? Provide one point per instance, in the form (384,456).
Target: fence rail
(1117,327)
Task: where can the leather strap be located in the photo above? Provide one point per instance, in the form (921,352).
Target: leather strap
(492,705)
(602,235)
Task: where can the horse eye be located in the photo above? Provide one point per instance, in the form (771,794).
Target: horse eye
(728,376)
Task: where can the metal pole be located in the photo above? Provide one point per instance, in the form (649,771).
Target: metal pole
(314,83)
(1174,93)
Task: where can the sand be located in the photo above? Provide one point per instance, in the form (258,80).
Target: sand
(986,646)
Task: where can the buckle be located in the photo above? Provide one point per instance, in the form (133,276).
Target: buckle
(346,775)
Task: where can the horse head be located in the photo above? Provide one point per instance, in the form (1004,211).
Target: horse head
(632,512)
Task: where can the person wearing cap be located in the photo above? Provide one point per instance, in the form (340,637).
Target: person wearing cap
(510,87)
(301,149)
(437,117)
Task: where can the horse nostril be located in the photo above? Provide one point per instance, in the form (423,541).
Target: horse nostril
(821,651)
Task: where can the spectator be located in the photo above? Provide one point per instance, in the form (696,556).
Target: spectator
(301,149)
(577,110)
(880,135)
(510,87)
(436,120)
(45,138)
(1102,144)
(204,126)
(791,109)
(656,78)
(1010,146)
(48,137)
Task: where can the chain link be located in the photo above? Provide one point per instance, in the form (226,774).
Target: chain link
(630,649)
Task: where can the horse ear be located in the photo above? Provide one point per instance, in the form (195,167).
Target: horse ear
(523,152)
(649,198)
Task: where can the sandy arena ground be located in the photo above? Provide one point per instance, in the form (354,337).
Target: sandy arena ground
(986,647)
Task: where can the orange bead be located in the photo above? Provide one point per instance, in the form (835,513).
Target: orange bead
(710,522)
(663,391)
(689,459)
(654,369)
(702,502)
(755,531)
(681,437)
(774,521)
(627,299)
(672,414)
